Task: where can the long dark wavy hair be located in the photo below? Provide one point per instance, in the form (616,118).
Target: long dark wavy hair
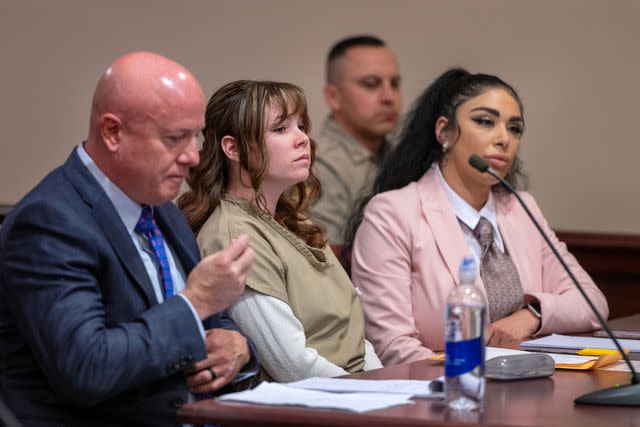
(239,109)
(419,148)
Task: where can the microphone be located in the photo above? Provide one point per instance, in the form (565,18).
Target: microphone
(627,395)
(482,165)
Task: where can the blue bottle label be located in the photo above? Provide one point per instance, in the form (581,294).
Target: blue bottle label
(462,356)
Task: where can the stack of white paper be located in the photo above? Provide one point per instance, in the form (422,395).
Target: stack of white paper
(577,343)
(568,359)
(416,388)
(280,394)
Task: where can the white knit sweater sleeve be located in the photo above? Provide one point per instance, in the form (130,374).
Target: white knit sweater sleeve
(279,338)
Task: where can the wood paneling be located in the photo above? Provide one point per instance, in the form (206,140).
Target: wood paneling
(613,261)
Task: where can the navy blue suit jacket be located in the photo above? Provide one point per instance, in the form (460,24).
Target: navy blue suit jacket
(82,337)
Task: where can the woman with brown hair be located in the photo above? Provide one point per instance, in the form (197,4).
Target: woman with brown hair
(299,306)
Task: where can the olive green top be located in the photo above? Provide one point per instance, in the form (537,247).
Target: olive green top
(310,280)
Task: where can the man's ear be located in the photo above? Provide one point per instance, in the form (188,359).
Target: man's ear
(332,97)
(111,129)
(442,133)
(230,148)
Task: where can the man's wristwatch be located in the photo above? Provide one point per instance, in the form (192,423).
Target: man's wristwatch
(534,308)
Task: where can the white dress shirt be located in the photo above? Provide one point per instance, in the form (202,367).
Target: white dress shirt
(467,215)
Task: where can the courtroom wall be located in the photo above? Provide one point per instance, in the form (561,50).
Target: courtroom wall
(575,63)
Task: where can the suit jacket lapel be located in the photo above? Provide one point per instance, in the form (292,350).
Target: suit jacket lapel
(109,221)
(443,222)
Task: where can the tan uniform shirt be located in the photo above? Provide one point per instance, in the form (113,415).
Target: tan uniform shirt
(310,280)
(346,170)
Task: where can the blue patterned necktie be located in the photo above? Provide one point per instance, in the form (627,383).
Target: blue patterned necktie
(148,228)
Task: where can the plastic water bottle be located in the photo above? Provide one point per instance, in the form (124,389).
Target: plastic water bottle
(464,336)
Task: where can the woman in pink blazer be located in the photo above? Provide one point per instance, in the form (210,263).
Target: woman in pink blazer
(417,226)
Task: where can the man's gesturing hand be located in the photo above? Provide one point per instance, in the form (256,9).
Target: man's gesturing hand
(219,279)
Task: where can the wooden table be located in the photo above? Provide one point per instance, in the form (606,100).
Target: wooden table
(539,402)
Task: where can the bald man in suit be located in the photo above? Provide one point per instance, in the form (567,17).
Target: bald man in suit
(102,322)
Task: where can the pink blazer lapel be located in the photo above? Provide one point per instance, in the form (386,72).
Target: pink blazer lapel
(443,222)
